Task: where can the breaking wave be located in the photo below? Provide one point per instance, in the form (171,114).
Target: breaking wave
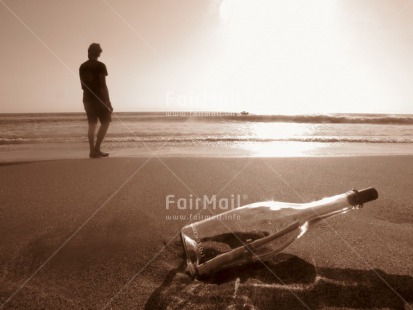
(209,140)
(214,117)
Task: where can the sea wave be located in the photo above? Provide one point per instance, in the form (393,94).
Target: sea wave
(311,119)
(209,140)
(333,119)
(264,140)
(213,117)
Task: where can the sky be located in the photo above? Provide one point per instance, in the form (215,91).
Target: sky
(261,56)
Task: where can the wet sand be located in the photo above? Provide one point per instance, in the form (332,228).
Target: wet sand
(80,233)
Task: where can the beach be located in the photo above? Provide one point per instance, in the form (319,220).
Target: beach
(81,233)
(211,155)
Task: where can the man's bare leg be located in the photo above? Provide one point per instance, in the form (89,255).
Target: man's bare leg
(100,136)
(91,137)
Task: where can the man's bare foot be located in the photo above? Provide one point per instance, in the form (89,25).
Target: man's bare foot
(95,155)
(100,153)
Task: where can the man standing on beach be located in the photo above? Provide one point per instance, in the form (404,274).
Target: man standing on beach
(95,99)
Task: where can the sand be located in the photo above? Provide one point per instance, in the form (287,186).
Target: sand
(86,233)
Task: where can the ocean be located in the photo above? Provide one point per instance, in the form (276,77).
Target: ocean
(211,134)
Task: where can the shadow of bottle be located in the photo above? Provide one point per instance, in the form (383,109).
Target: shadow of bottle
(287,282)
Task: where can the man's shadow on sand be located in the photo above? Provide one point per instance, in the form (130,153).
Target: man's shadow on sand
(287,282)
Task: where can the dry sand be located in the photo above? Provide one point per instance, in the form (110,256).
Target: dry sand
(95,234)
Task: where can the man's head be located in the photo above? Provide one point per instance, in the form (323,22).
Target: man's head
(94,51)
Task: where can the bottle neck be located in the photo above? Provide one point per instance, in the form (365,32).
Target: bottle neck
(330,206)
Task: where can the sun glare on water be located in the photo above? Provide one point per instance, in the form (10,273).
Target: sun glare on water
(274,140)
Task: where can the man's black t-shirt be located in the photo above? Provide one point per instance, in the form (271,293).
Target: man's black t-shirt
(89,73)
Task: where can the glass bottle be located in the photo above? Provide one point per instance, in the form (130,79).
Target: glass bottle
(258,231)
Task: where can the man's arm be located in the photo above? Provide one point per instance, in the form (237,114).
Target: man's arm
(105,92)
(81,77)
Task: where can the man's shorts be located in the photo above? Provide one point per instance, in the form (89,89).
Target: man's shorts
(97,110)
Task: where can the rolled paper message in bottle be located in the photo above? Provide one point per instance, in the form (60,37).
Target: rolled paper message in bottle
(259,231)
